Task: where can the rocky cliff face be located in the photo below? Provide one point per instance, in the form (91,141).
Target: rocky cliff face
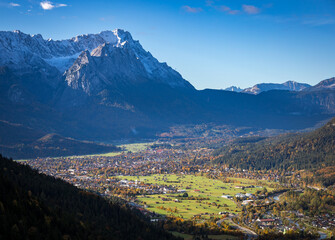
(327,84)
(88,62)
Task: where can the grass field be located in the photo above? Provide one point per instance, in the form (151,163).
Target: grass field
(197,186)
(218,237)
(136,147)
(132,147)
(110,154)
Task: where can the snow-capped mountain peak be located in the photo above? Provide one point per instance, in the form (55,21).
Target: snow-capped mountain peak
(14,45)
(23,51)
(116,37)
(263,87)
(233,89)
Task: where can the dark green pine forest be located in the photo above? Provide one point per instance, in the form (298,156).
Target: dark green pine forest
(37,206)
(310,151)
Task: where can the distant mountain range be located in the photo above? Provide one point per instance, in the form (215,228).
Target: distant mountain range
(328,84)
(234,89)
(263,87)
(105,86)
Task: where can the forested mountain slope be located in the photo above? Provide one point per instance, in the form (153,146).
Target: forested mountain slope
(313,150)
(36,206)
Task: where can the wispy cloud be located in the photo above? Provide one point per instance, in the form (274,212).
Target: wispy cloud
(215,4)
(47,5)
(192,9)
(14,4)
(319,21)
(226,9)
(250,9)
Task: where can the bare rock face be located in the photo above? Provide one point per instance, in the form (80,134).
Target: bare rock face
(89,62)
(327,84)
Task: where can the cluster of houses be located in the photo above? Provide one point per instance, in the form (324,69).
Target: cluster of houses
(240,196)
(148,188)
(325,221)
(267,223)
(244,195)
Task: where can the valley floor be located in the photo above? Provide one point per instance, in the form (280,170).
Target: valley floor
(178,185)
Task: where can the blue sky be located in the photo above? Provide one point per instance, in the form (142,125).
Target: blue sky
(213,43)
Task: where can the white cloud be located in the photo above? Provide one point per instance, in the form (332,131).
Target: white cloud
(250,9)
(14,4)
(47,5)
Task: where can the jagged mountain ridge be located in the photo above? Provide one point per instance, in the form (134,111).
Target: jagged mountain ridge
(24,53)
(233,89)
(263,87)
(327,84)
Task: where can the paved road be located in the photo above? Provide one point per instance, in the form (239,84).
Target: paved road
(246,231)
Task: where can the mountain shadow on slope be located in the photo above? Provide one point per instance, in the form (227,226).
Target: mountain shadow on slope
(36,206)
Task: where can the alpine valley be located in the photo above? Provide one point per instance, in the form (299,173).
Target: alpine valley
(102,87)
(110,143)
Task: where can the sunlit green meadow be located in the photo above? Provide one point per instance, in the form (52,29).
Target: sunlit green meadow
(198,186)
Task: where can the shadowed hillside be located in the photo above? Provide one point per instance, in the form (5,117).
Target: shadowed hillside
(312,150)
(36,206)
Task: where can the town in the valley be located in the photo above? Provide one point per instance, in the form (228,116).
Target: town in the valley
(174,182)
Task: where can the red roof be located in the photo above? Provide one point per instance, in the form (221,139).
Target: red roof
(267,220)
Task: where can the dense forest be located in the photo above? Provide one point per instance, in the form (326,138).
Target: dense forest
(37,206)
(310,151)
(311,202)
(49,145)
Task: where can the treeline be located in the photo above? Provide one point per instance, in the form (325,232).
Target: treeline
(321,178)
(288,152)
(209,227)
(36,206)
(54,145)
(311,202)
